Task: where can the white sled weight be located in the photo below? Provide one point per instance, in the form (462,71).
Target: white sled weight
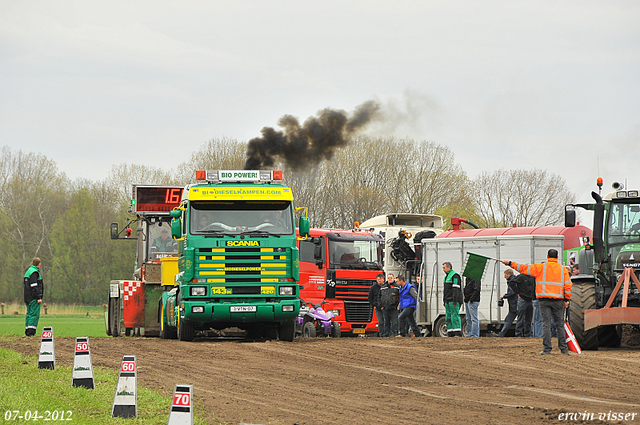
(47,357)
(182,407)
(82,370)
(125,402)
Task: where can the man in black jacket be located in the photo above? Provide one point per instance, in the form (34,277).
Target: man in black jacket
(512,297)
(526,287)
(471,303)
(389,300)
(33,292)
(374,301)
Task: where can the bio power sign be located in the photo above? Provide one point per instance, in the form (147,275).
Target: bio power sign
(239,176)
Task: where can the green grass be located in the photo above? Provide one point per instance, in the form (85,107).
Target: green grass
(24,387)
(21,308)
(63,325)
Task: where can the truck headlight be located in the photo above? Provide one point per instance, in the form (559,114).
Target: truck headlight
(287,308)
(197,309)
(336,313)
(287,290)
(198,291)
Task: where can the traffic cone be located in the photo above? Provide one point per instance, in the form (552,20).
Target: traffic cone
(572,342)
(125,401)
(47,357)
(82,370)
(182,407)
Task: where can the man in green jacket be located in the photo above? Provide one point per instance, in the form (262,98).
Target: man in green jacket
(33,292)
(452,299)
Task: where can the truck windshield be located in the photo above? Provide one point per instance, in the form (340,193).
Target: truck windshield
(624,223)
(235,217)
(355,255)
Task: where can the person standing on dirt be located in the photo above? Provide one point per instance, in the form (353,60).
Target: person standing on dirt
(553,290)
(452,299)
(512,298)
(408,304)
(389,300)
(471,303)
(33,293)
(526,287)
(374,301)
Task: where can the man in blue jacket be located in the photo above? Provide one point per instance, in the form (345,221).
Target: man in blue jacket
(408,303)
(33,292)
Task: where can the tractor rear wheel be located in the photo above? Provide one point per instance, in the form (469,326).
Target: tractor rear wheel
(114,317)
(583,297)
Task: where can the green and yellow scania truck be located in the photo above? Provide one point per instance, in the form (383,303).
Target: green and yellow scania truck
(235,260)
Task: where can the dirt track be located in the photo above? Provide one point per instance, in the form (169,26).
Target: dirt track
(377,381)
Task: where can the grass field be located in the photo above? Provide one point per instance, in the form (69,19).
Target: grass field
(21,308)
(63,324)
(27,388)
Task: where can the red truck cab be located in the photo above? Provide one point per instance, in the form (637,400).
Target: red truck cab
(339,267)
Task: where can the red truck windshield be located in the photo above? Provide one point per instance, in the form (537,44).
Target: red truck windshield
(355,254)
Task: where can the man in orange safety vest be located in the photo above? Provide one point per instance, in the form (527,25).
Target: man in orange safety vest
(553,290)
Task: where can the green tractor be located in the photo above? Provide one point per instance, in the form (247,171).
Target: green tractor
(599,307)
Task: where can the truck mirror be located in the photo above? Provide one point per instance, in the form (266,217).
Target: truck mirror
(176,228)
(569,217)
(114,230)
(304,227)
(175,213)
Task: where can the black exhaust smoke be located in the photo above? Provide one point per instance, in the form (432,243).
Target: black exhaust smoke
(307,145)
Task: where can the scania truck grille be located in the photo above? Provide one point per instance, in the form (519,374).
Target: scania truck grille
(243,265)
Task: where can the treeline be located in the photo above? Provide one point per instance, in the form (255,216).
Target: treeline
(66,223)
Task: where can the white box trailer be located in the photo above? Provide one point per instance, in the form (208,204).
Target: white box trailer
(522,249)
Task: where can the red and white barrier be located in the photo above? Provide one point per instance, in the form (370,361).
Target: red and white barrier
(572,343)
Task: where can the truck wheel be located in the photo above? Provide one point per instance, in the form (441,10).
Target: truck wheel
(335,330)
(186,330)
(463,325)
(610,336)
(308,330)
(583,297)
(287,331)
(166,331)
(440,327)
(270,332)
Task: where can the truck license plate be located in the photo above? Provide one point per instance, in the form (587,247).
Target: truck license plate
(243,309)
(358,331)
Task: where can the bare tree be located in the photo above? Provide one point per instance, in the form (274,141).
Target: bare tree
(521,198)
(373,176)
(216,154)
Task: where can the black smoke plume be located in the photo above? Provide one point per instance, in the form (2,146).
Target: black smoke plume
(307,145)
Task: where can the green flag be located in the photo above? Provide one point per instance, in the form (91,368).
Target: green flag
(475,266)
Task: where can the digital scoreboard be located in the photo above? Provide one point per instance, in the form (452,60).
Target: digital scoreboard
(156,199)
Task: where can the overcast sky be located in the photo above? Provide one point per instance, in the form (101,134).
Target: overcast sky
(514,84)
